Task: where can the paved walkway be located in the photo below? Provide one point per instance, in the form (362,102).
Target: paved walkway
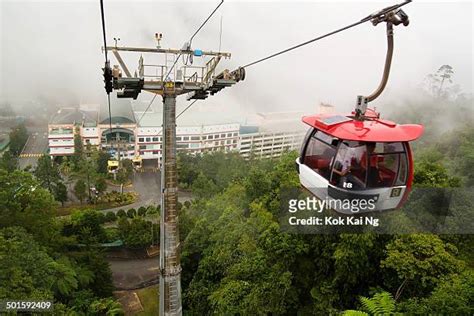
(147,185)
(133,273)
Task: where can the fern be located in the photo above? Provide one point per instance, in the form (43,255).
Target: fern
(354,313)
(380,304)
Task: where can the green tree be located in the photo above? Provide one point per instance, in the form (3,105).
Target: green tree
(135,233)
(86,172)
(186,170)
(102,159)
(433,175)
(23,202)
(47,173)
(203,187)
(78,155)
(101,184)
(65,277)
(454,295)
(245,265)
(87,227)
(125,171)
(80,190)
(82,300)
(8,162)
(437,81)
(420,260)
(18,138)
(26,267)
(101,284)
(60,192)
(121,213)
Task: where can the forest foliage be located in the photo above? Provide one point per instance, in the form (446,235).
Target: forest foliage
(39,254)
(237,260)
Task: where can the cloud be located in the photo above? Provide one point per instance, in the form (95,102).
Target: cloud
(51,50)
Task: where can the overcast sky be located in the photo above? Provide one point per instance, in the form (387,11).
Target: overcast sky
(52,50)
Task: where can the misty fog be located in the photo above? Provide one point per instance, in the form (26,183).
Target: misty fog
(51,50)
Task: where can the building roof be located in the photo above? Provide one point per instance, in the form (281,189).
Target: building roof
(277,122)
(248,129)
(74,116)
(90,118)
(189,118)
(121,110)
(372,130)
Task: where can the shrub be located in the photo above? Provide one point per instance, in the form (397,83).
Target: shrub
(110,217)
(151,210)
(101,217)
(121,213)
(141,211)
(187,204)
(135,233)
(112,234)
(131,213)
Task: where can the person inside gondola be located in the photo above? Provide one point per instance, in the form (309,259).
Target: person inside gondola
(373,175)
(347,169)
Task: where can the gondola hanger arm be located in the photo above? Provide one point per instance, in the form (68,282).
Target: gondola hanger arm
(391,18)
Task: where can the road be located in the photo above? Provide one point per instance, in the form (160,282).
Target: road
(132,273)
(147,185)
(35,147)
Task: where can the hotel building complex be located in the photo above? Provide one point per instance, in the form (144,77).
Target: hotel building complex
(136,133)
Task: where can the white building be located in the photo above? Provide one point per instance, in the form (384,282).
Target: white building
(272,134)
(136,134)
(64,125)
(194,134)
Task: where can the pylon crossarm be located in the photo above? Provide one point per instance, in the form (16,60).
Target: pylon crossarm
(168,51)
(121,62)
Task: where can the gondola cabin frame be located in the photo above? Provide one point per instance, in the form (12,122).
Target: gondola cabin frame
(345,158)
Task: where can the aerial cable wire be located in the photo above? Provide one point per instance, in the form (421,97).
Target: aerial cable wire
(182,112)
(204,23)
(107,66)
(103,27)
(366,19)
(192,37)
(179,55)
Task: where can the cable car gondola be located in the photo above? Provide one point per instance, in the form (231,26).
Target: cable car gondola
(345,158)
(360,156)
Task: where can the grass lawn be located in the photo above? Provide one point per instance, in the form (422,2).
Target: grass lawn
(149,299)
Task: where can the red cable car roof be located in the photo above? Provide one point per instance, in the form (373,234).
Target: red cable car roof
(371,130)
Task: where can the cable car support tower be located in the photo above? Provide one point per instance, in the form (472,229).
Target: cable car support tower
(198,82)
